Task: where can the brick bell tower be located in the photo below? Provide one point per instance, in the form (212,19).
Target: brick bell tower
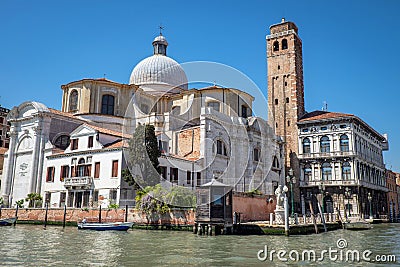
(286,92)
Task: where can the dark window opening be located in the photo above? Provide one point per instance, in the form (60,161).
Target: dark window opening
(325,145)
(279,67)
(284,44)
(90,142)
(97,170)
(244,111)
(256,154)
(50,174)
(288,123)
(74,144)
(107,105)
(276,101)
(73,101)
(163,172)
(276,46)
(344,143)
(306,145)
(114,168)
(221,149)
(287,99)
(173,175)
(62,142)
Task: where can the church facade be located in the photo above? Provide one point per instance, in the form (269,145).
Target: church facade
(75,156)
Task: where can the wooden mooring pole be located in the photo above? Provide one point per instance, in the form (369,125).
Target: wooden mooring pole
(65,215)
(100,214)
(126,213)
(45,216)
(16,215)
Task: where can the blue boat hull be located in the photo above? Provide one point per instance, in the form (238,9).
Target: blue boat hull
(7,222)
(105,226)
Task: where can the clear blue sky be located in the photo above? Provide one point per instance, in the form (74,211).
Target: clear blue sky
(350,48)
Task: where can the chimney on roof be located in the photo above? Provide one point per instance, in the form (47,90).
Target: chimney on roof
(283,20)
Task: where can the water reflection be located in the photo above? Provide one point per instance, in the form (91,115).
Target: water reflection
(27,245)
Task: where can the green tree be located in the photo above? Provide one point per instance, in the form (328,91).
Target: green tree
(34,199)
(20,203)
(143,153)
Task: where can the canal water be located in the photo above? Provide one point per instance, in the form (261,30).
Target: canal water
(30,245)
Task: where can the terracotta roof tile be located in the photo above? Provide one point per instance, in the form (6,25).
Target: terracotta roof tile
(118,144)
(108,131)
(323,115)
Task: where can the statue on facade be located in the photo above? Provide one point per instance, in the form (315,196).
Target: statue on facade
(280,193)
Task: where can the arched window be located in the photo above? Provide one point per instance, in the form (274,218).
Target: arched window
(306,145)
(307,172)
(344,143)
(346,171)
(256,154)
(284,44)
(275,163)
(325,144)
(276,46)
(107,105)
(326,171)
(62,142)
(81,168)
(221,148)
(73,100)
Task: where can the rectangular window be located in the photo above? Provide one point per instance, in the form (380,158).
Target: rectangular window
(47,198)
(114,168)
(1,119)
(173,175)
(213,105)
(256,154)
(62,199)
(163,172)
(244,111)
(6,145)
(113,196)
(90,142)
(50,174)
(198,178)
(188,177)
(97,170)
(73,173)
(64,172)
(74,144)
(70,199)
(96,196)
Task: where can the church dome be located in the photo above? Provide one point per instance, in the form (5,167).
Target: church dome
(159,72)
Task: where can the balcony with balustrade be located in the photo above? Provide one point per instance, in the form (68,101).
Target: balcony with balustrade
(84,182)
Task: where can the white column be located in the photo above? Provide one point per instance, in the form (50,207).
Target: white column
(9,176)
(35,160)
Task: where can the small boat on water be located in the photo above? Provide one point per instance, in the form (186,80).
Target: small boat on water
(8,221)
(116,226)
(357,226)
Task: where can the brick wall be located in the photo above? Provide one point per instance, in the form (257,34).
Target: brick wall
(175,217)
(185,138)
(253,208)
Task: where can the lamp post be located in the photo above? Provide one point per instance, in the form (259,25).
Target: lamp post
(321,187)
(370,206)
(348,194)
(291,179)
